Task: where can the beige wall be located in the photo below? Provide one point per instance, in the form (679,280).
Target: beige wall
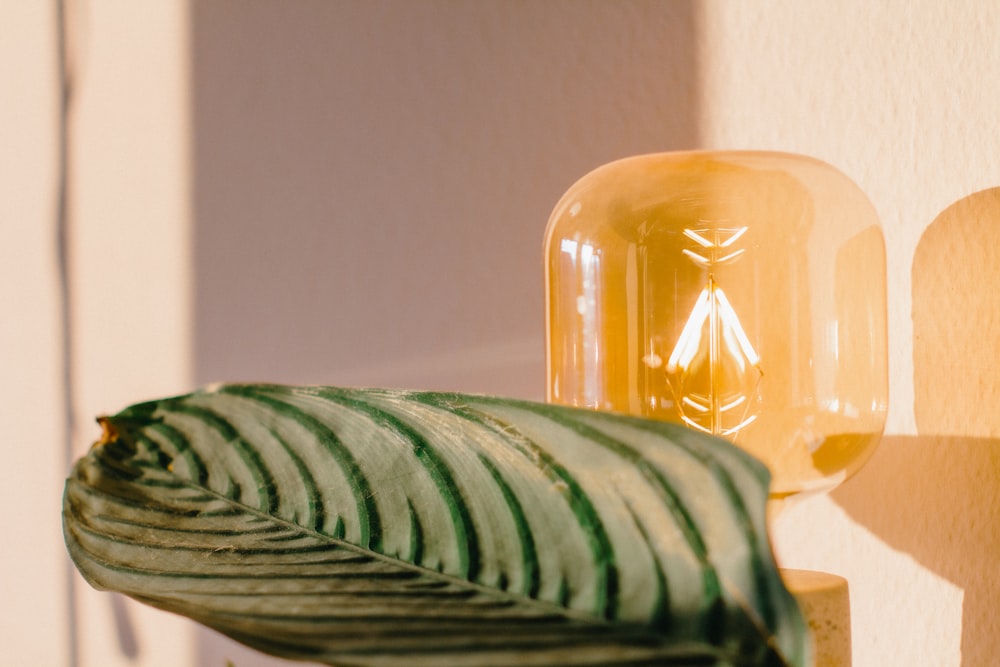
(33,573)
(128,288)
(355,193)
(129,223)
(902,97)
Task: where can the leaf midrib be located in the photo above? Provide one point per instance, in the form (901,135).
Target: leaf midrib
(541,605)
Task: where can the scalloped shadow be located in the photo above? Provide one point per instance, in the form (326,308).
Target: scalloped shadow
(939,492)
(951,529)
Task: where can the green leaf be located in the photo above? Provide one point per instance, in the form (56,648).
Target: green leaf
(370,527)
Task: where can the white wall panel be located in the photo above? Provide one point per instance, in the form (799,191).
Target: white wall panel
(34,628)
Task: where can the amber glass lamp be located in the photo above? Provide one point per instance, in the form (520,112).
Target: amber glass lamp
(740,293)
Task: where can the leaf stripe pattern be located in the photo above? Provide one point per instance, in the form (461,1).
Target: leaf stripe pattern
(759,551)
(368,517)
(375,527)
(681,515)
(437,469)
(529,557)
(586,517)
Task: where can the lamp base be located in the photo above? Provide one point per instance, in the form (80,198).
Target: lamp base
(825,602)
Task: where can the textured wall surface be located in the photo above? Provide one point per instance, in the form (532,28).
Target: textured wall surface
(355,193)
(900,96)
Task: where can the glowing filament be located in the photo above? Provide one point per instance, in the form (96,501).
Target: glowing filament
(713,369)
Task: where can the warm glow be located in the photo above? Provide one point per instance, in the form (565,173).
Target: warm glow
(712,339)
(725,344)
(741,294)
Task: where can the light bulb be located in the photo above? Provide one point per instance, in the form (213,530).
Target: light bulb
(740,293)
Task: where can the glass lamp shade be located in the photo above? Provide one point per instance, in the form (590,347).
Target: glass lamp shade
(740,293)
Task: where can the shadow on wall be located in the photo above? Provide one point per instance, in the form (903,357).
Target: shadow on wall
(953,466)
(372,180)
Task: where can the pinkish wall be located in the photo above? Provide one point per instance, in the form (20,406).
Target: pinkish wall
(33,572)
(355,192)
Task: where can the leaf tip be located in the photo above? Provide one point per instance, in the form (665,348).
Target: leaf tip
(109,433)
